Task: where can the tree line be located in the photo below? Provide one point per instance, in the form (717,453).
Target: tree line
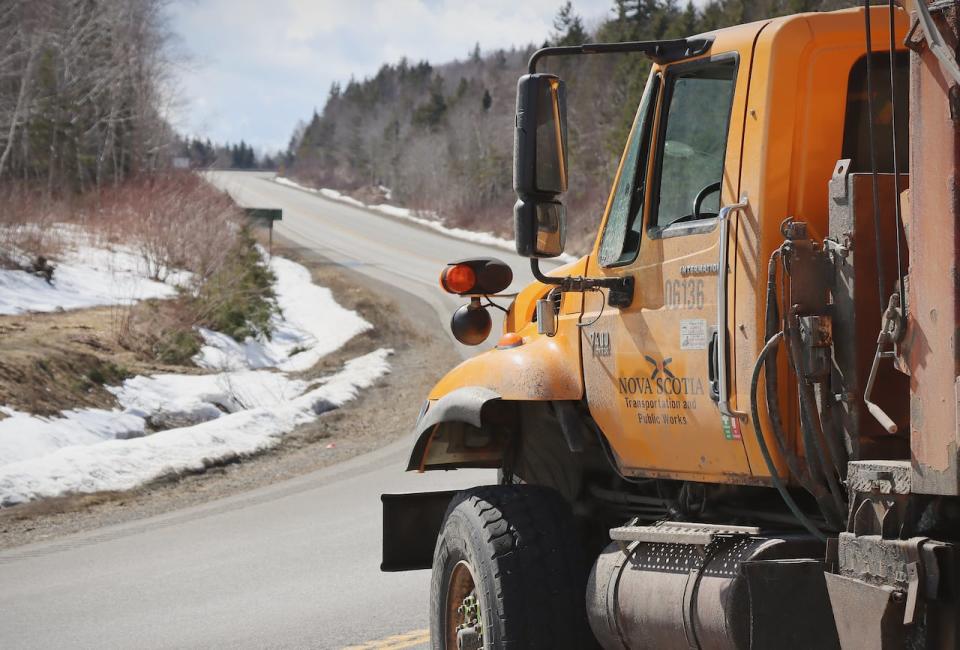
(195,153)
(441,137)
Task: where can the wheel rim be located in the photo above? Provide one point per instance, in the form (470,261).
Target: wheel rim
(463,609)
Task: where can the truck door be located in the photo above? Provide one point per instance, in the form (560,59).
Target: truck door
(651,370)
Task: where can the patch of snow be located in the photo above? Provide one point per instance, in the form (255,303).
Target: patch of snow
(24,436)
(202,395)
(428,219)
(125,464)
(311,324)
(176,422)
(337,196)
(85,276)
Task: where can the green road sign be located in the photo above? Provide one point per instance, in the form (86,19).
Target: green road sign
(266,215)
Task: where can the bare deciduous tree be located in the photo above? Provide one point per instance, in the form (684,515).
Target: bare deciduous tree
(82,90)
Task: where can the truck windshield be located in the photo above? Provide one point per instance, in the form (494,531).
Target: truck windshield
(693,142)
(621,237)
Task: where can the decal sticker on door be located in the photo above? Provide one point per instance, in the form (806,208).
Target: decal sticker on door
(693,334)
(662,391)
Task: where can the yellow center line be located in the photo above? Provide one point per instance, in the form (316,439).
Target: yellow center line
(395,642)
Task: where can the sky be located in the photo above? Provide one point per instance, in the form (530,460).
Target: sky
(253,68)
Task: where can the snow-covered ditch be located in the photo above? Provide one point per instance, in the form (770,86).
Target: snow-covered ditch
(86,275)
(173,423)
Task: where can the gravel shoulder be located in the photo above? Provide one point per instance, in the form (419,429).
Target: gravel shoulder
(422,354)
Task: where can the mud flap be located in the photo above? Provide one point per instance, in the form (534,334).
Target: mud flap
(411,525)
(789,605)
(868,616)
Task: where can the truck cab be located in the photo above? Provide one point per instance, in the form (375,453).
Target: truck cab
(752,130)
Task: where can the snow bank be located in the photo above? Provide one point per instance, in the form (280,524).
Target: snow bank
(173,423)
(24,436)
(206,396)
(427,219)
(86,276)
(311,324)
(125,464)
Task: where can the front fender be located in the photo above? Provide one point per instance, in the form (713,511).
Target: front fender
(461,406)
(474,408)
(543,368)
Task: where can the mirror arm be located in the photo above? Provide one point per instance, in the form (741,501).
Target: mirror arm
(538,274)
(621,289)
(660,51)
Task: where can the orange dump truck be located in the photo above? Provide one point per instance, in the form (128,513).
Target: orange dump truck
(734,423)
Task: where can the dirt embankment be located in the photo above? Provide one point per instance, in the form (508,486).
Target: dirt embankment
(380,415)
(57,361)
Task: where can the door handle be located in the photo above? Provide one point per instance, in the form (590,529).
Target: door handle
(713,376)
(723,340)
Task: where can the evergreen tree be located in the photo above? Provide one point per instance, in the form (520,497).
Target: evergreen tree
(431,113)
(568,27)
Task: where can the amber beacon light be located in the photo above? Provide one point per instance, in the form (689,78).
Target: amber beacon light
(474,278)
(458,278)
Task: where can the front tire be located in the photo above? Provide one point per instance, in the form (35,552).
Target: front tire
(508,572)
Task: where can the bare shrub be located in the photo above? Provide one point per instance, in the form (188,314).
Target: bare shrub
(27,231)
(174,220)
(236,299)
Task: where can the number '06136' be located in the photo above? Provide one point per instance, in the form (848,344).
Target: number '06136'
(683,294)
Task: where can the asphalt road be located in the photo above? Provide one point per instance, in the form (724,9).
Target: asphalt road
(293,565)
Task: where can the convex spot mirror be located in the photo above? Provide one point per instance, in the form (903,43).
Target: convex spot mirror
(540,165)
(471,324)
(541,228)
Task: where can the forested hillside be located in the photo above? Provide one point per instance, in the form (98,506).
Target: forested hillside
(441,136)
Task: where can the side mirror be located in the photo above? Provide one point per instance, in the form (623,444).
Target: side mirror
(540,165)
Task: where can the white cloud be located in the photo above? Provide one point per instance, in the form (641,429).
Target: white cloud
(262,65)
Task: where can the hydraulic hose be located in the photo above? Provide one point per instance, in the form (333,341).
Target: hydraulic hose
(817,480)
(838,450)
(768,348)
(847,448)
(771,383)
(820,464)
(825,499)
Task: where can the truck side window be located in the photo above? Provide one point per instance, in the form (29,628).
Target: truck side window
(856,128)
(621,237)
(693,142)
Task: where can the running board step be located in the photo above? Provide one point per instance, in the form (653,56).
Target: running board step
(679,532)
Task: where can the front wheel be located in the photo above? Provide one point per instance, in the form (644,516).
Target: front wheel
(508,573)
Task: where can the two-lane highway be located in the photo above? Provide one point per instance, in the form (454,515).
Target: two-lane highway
(389,249)
(295,564)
